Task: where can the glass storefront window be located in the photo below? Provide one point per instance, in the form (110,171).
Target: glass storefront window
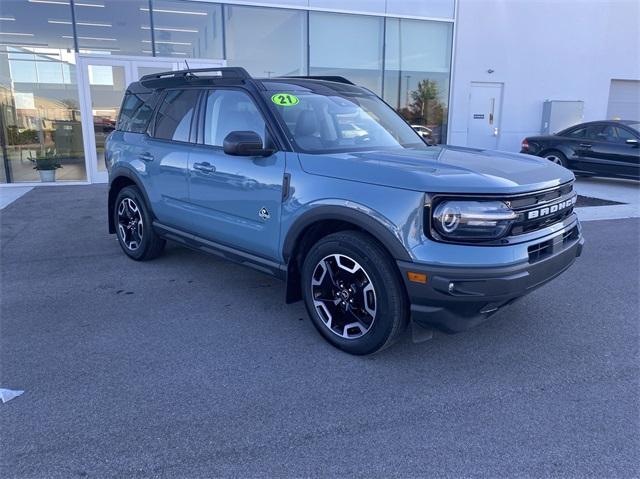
(107,85)
(39,100)
(417,70)
(113,27)
(187,29)
(348,46)
(266,41)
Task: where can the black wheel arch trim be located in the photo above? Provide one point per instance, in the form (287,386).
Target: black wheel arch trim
(120,172)
(349,215)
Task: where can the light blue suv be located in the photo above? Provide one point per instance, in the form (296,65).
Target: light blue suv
(319,182)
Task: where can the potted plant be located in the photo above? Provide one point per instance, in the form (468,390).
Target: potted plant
(46,162)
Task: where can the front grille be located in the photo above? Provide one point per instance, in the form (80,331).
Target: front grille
(541,250)
(535,211)
(539,210)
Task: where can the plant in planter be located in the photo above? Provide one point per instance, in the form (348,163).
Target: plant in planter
(46,162)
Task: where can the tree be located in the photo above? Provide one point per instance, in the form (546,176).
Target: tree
(426,106)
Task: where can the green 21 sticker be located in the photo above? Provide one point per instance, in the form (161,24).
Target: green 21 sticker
(284,99)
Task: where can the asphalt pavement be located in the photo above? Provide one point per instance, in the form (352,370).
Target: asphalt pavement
(190,366)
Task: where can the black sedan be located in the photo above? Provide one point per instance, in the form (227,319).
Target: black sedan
(598,148)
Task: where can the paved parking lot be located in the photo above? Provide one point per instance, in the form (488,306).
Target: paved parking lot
(189,366)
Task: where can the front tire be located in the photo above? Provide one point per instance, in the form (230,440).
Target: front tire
(353,293)
(133,226)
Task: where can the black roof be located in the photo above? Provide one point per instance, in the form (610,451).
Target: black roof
(238,75)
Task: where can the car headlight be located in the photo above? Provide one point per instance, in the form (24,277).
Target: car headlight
(472,220)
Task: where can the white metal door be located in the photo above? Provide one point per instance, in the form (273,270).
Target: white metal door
(624,100)
(485,103)
(102,81)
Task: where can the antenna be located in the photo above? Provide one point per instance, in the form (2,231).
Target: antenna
(189,73)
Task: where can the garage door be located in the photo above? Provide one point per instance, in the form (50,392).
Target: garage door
(624,100)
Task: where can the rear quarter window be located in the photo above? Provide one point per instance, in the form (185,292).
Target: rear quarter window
(136,111)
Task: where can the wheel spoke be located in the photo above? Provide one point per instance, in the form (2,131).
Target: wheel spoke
(327,300)
(329,270)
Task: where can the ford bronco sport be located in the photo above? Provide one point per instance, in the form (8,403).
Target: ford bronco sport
(319,182)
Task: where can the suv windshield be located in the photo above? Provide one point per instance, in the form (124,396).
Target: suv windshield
(341,122)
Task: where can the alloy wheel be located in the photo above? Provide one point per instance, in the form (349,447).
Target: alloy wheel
(554,159)
(130,226)
(343,296)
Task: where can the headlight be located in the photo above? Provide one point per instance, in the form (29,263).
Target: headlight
(472,220)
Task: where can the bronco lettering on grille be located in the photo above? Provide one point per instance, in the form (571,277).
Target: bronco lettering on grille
(549,210)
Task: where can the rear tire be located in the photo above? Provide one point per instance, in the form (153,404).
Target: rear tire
(556,157)
(353,293)
(134,228)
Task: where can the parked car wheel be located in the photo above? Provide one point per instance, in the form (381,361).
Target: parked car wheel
(133,226)
(557,158)
(353,293)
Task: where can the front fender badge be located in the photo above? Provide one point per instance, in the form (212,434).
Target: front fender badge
(264,213)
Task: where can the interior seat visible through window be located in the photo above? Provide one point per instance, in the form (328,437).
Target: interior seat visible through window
(307,131)
(230,110)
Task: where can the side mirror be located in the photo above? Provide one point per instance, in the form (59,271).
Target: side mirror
(244,143)
(632,142)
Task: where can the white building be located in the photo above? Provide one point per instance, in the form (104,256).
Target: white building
(475,72)
(523,52)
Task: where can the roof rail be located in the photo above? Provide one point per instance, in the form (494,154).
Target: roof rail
(337,79)
(158,80)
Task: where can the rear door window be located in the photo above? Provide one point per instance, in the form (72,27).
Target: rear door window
(173,120)
(577,133)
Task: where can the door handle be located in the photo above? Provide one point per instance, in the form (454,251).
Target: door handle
(204,167)
(585,145)
(146,156)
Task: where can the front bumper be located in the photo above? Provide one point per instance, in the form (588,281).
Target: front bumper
(458,298)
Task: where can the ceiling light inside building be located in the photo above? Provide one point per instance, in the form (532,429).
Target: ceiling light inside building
(99,39)
(166,42)
(179,12)
(170,29)
(18,34)
(62,2)
(84,24)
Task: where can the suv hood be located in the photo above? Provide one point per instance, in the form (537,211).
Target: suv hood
(442,169)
